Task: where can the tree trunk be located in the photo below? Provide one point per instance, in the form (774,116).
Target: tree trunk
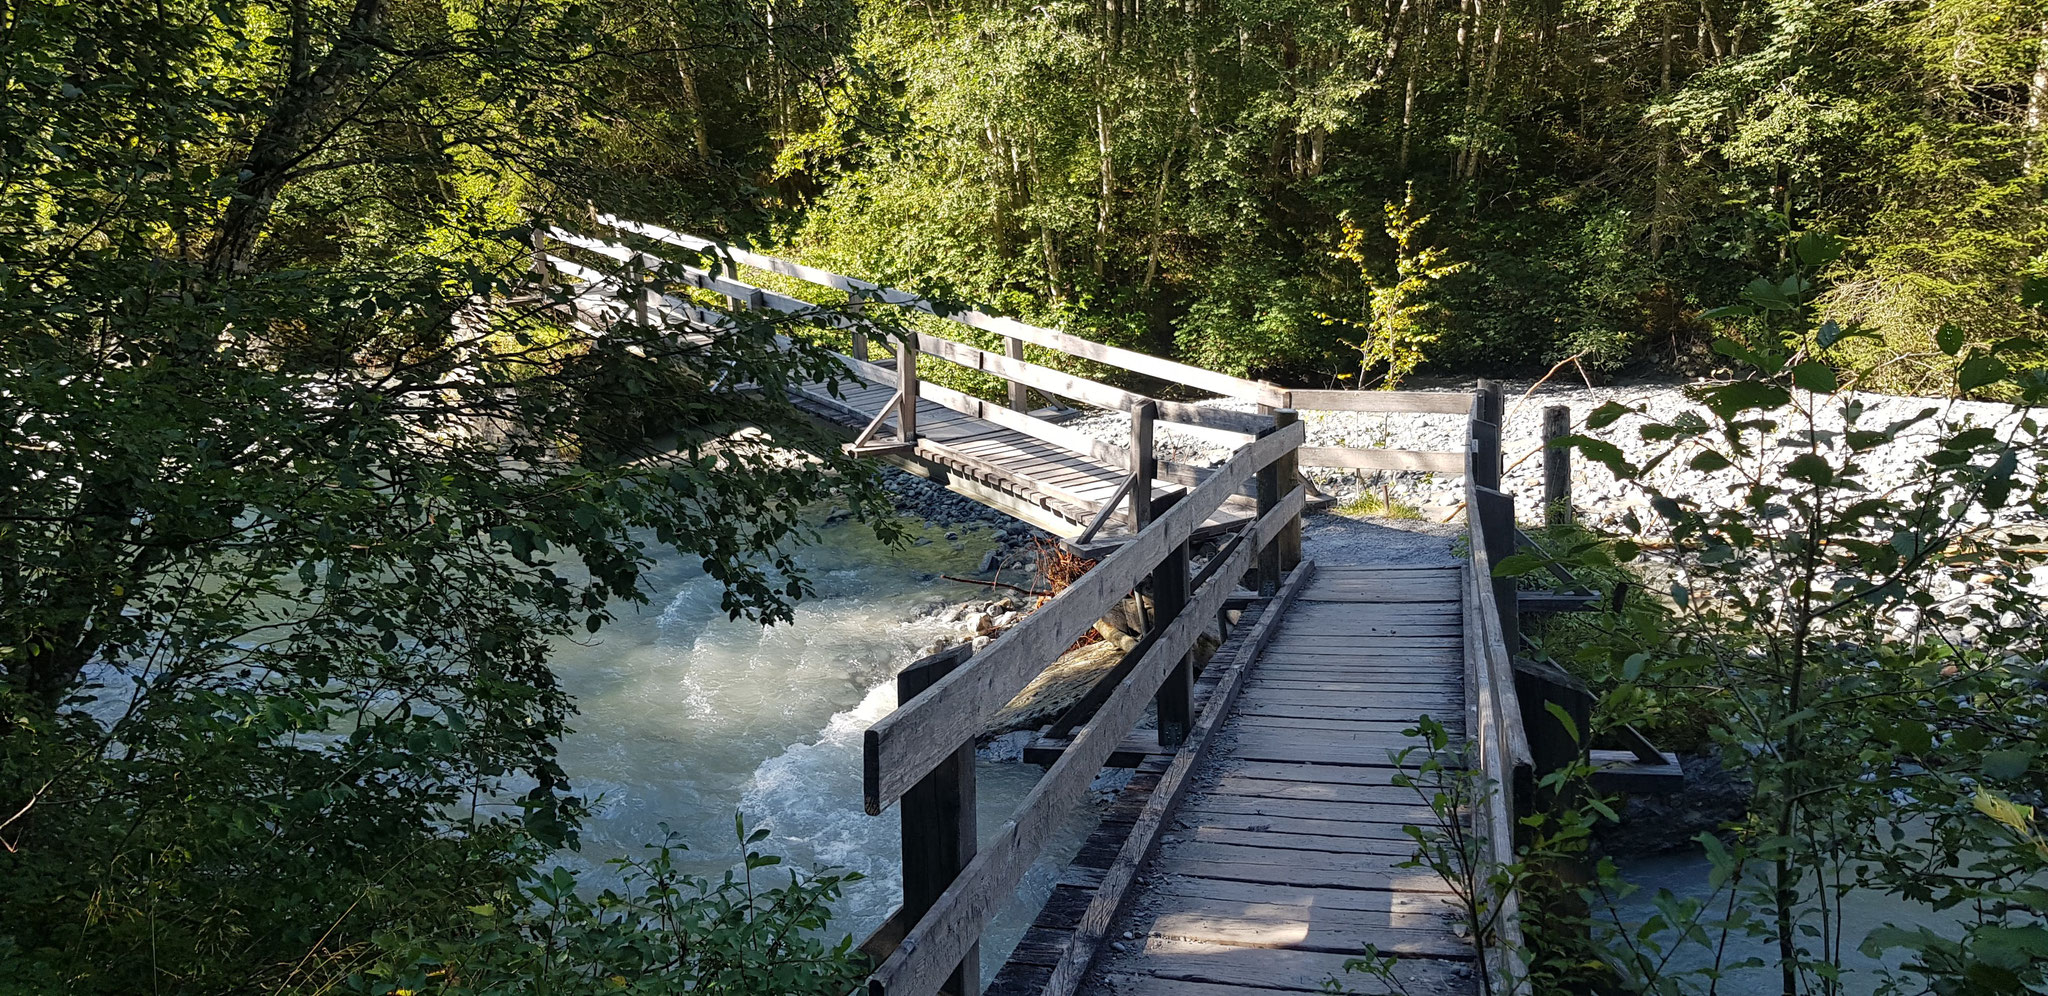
(280,145)
(2037,103)
(1104,148)
(1660,196)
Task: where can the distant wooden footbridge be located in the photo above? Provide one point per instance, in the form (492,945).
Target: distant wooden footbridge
(1259,843)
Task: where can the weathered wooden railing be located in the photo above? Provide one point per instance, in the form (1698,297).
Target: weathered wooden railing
(630,284)
(934,938)
(1020,376)
(1493,713)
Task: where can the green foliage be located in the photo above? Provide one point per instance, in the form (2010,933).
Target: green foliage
(1399,323)
(1181,175)
(658,931)
(1861,634)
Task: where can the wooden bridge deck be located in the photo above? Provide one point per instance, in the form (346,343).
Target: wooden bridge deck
(1279,863)
(1040,482)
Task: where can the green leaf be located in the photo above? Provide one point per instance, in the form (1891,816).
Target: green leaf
(1729,400)
(1816,377)
(1949,339)
(2034,292)
(1606,415)
(1811,468)
(1708,461)
(1515,565)
(1816,248)
(1978,371)
(1600,451)
(2007,764)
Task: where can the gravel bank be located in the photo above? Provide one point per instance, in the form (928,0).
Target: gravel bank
(1601,500)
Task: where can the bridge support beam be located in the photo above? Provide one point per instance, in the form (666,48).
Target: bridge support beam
(938,821)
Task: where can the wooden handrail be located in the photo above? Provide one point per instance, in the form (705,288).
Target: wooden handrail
(1493,712)
(903,745)
(930,949)
(1136,362)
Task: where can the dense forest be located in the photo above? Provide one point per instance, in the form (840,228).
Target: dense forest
(288,527)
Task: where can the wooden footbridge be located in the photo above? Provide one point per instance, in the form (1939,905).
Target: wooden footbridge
(1259,844)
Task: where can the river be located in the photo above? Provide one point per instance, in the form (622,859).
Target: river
(687,717)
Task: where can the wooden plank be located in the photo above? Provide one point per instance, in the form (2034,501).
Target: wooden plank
(956,921)
(1419,402)
(903,745)
(1123,984)
(1292,868)
(1391,815)
(1302,928)
(1390,698)
(1227,965)
(1397,848)
(1350,729)
(1282,827)
(1306,766)
(1269,788)
(932,450)
(1144,835)
(1434,904)
(1348,458)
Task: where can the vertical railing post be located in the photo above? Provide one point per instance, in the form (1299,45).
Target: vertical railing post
(1492,404)
(1495,518)
(1285,471)
(1144,466)
(1269,499)
(938,820)
(540,259)
(857,306)
(1013,348)
(731,271)
(906,378)
(1175,700)
(1557,467)
(636,279)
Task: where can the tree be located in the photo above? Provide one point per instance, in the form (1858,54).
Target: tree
(302,482)
(1398,322)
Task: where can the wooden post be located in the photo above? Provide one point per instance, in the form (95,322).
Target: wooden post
(857,306)
(1013,348)
(1286,470)
(906,378)
(731,271)
(1144,466)
(1485,454)
(1492,408)
(1175,699)
(1557,467)
(540,259)
(636,279)
(938,820)
(1495,518)
(1269,498)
